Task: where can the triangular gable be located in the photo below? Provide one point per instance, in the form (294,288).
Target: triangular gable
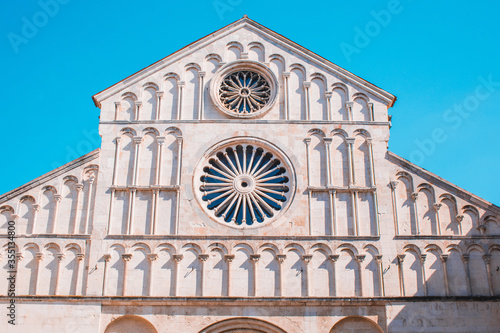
(319,61)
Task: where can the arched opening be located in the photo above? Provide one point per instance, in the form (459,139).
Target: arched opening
(356,324)
(130,324)
(238,325)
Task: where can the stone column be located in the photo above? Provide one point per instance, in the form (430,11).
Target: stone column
(350,160)
(137,158)
(465,259)
(328,142)
(229,259)
(307,259)
(106,259)
(414,196)
(201,76)
(130,220)
(160,141)
(159,96)
(371,113)
(286,75)
(359,259)
(255,259)
(348,106)
(152,258)
(355,216)
(154,211)
(307,141)
(281,259)
(482,229)
(380,268)
(444,259)
(117,109)
(180,86)
(87,210)
(59,258)
(126,258)
(436,208)
(36,209)
(117,159)
(203,258)
(138,105)
(333,281)
(333,210)
(487,261)
(79,260)
(328,96)
(393,185)
(39,258)
(424,277)
(79,188)
(57,201)
(177,259)
(401,258)
(178,184)
(306,86)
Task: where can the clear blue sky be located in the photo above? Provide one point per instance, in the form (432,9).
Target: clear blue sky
(430,54)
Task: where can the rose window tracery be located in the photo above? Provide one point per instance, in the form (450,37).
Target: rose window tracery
(244,92)
(245,184)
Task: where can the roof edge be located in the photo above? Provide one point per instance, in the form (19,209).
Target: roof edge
(443,183)
(50,175)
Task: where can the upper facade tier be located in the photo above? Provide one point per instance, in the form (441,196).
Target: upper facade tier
(242,71)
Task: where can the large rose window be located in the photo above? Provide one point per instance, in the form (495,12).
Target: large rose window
(244,184)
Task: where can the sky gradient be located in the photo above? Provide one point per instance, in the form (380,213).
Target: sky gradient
(441,60)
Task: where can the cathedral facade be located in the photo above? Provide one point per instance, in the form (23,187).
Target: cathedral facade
(244,184)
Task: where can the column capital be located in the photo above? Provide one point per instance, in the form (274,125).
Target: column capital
(14,217)
(307,258)
(369,141)
(229,257)
(401,258)
(378,258)
(79,187)
(126,256)
(181,83)
(482,228)
(286,74)
(19,256)
(327,141)
(178,257)
(152,256)
(39,256)
(465,258)
(60,256)
(328,94)
(80,256)
(487,258)
(443,257)
(393,184)
(459,218)
(306,84)
(334,257)
(437,206)
(350,141)
(160,94)
(160,140)
(255,257)
(202,74)
(307,141)
(118,104)
(414,196)
(138,140)
(281,257)
(118,139)
(106,257)
(138,103)
(203,257)
(58,197)
(36,207)
(360,257)
(423,257)
(349,104)
(179,139)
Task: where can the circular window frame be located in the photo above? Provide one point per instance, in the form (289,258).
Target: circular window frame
(256,143)
(244,65)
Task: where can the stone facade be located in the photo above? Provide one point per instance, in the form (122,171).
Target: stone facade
(244,184)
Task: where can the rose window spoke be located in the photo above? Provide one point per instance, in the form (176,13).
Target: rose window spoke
(244,185)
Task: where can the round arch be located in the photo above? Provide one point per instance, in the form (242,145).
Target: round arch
(242,325)
(356,324)
(130,324)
